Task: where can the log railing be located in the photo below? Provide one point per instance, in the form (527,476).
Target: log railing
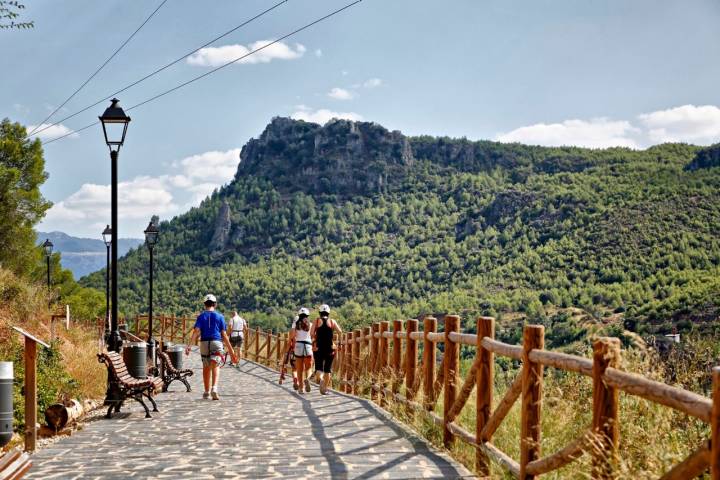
(382,361)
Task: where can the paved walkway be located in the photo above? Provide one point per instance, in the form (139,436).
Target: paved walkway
(258,429)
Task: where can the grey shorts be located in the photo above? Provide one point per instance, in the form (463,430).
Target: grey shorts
(207,348)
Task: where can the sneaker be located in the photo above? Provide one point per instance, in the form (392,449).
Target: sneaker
(323,388)
(295,385)
(307,385)
(215,396)
(206,395)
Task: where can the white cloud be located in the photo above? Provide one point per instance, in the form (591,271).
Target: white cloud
(372,83)
(189,181)
(322,116)
(51,132)
(216,56)
(687,123)
(595,133)
(340,94)
(318,53)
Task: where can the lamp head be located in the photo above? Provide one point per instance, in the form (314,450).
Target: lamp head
(114,123)
(48,247)
(107,236)
(151,235)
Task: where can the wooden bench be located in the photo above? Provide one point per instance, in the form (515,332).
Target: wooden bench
(123,385)
(170,373)
(14,464)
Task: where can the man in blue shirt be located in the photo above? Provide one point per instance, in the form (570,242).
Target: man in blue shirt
(210,327)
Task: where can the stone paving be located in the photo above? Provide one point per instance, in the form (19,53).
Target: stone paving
(258,429)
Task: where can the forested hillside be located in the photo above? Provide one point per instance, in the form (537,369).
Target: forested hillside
(381,225)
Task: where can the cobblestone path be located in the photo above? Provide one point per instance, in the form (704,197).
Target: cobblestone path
(258,429)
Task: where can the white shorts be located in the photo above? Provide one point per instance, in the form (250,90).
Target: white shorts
(303,349)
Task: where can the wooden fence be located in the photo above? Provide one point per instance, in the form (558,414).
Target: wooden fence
(166,328)
(383,359)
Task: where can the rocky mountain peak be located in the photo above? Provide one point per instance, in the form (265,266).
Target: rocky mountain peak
(340,157)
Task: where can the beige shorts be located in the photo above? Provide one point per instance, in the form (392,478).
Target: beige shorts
(208,348)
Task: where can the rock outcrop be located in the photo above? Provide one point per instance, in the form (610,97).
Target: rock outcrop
(342,157)
(223,226)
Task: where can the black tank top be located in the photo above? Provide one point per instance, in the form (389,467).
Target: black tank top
(324,335)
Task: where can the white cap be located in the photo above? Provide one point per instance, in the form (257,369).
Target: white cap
(210,298)
(324,309)
(304,311)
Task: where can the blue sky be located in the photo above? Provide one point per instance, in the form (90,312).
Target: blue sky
(593,73)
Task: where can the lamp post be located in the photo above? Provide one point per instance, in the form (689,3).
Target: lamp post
(107,239)
(151,238)
(48,247)
(114,123)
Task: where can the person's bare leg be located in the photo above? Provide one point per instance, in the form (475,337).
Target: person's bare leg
(206,378)
(215,373)
(300,374)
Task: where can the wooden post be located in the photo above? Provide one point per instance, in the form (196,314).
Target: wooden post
(246,342)
(531,407)
(357,335)
(715,426)
(30,394)
(339,363)
(267,349)
(347,360)
(411,326)
(184,330)
(484,383)
(396,356)
(137,325)
(452,367)
(367,331)
(382,368)
(279,355)
(373,359)
(257,343)
(30,387)
(429,360)
(606,353)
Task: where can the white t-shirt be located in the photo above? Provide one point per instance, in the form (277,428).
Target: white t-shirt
(237,326)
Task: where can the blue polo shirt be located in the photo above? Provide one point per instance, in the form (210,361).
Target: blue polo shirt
(211,325)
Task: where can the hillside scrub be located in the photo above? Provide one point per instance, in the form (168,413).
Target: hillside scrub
(69,368)
(444,225)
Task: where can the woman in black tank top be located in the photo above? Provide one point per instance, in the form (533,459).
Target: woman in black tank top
(324,329)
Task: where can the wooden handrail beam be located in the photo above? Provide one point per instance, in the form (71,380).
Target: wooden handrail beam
(504,349)
(688,402)
(563,361)
(693,466)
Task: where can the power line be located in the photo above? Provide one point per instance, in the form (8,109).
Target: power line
(97,71)
(164,67)
(194,79)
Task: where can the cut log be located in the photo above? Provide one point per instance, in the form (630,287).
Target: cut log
(59,415)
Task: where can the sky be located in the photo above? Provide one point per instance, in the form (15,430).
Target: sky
(592,73)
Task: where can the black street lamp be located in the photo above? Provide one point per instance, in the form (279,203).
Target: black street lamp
(114,123)
(151,238)
(107,238)
(48,247)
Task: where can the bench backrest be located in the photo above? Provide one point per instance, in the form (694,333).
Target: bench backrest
(168,363)
(117,364)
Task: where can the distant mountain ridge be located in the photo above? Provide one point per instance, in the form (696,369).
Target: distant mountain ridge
(84,255)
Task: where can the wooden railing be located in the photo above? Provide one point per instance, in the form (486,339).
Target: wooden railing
(384,362)
(166,328)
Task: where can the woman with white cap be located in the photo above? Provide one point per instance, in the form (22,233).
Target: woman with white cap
(322,333)
(300,336)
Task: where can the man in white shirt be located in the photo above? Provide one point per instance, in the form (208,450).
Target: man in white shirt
(236,332)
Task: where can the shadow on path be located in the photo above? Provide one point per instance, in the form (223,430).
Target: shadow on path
(338,468)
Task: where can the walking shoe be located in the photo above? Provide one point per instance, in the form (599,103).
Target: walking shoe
(206,395)
(323,387)
(215,396)
(295,384)
(307,385)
